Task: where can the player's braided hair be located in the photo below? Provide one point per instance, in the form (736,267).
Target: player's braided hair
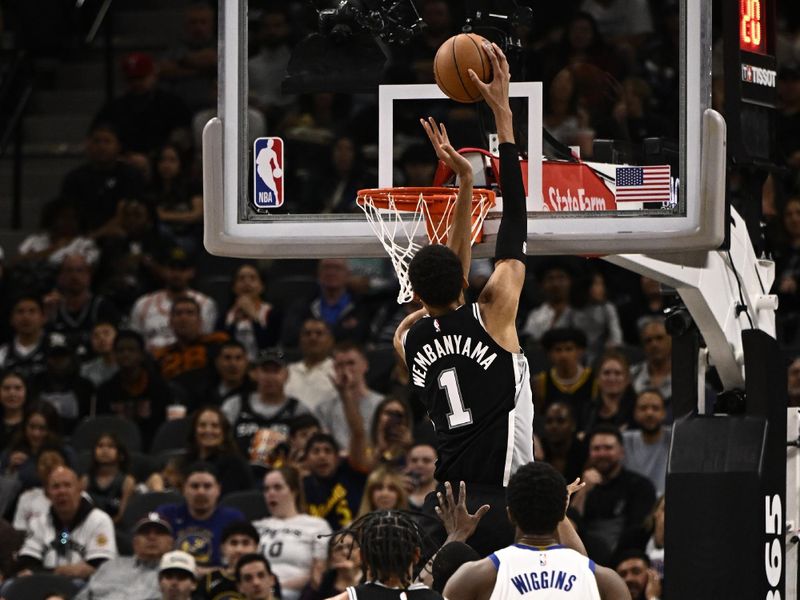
(388,540)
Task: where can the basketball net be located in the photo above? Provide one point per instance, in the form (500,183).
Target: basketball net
(398,215)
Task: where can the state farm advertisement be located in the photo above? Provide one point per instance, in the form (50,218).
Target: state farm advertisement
(574,187)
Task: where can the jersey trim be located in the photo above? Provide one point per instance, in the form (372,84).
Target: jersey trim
(539,548)
(351,593)
(495,560)
(592,565)
(476,310)
(510,443)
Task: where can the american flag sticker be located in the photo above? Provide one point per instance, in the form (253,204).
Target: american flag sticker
(643,184)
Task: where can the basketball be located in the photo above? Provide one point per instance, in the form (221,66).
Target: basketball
(452,63)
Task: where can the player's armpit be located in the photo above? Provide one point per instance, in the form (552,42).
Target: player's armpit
(499,302)
(611,585)
(472,581)
(403,328)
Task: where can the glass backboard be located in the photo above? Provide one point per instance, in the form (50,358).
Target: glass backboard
(632,98)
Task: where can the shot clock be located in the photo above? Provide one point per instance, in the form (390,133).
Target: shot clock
(750,79)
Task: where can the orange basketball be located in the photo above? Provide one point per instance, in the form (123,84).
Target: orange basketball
(459,53)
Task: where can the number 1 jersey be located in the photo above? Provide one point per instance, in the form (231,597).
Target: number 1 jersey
(477,394)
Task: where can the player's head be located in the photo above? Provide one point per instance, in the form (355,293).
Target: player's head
(536,498)
(390,544)
(436,276)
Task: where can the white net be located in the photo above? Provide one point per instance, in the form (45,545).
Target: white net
(402,219)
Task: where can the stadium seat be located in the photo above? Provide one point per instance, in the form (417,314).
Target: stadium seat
(88,429)
(171,435)
(39,586)
(143,465)
(141,504)
(250,502)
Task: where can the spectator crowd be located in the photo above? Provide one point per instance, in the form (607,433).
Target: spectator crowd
(160,434)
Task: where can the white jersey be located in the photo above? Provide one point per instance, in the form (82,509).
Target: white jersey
(291,545)
(552,573)
(92,538)
(150,317)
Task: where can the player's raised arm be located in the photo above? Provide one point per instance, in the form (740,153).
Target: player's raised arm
(459,238)
(499,299)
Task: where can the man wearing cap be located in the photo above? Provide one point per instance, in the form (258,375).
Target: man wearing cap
(176,576)
(134,576)
(261,419)
(72,539)
(145,115)
(150,315)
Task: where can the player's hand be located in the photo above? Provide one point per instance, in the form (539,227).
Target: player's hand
(437,134)
(496,91)
(458,523)
(652,590)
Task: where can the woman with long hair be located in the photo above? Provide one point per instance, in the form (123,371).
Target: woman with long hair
(343,567)
(385,490)
(179,202)
(211,440)
(109,482)
(290,538)
(13,398)
(250,319)
(615,397)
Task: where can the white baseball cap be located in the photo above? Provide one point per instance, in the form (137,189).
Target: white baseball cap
(178,560)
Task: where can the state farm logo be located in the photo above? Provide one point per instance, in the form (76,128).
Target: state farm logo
(758,76)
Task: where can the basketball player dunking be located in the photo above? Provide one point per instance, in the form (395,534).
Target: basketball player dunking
(466,358)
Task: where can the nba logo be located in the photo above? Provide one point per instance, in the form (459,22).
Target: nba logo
(268,172)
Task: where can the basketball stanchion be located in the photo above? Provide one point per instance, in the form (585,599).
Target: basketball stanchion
(397,215)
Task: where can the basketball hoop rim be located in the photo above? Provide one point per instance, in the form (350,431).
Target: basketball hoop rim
(407,199)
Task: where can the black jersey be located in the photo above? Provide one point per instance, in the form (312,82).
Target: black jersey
(376,591)
(477,394)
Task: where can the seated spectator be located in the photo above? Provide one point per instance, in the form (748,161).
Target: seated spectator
(655,371)
(421,460)
(61,384)
(290,536)
(334,486)
(109,482)
(648,537)
(301,428)
(267,66)
(60,237)
(643,582)
(211,441)
(238,538)
(13,402)
(614,397)
(390,432)
(555,279)
(601,320)
(72,307)
(336,186)
(614,500)
(72,539)
(133,576)
(255,579)
(261,419)
(103,366)
(25,352)
(647,302)
(232,378)
(567,380)
(560,443)
(98,186)
(136,391)
(350,377)
(190,64)
(187,363)
(177,573)
(34,502)
(40,429)
(311,378)
(129,263)
(343,569)
(178,200)
(197,522)
(250,320)
(150,315)
(144,115)
(647,449)
(384,491)
(344,313)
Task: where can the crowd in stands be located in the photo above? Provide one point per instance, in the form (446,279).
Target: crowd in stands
(141,415)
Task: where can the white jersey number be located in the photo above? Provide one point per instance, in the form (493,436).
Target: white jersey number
(459,416)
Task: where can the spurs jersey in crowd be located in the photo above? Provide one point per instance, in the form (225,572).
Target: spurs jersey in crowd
(552,573)
(477,394)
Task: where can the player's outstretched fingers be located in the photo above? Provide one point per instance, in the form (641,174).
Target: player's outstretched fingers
(481,511)
(448,489)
